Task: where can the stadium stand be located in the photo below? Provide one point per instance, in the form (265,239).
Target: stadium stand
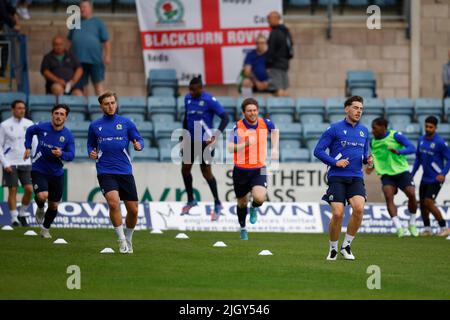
(229,105)
(361,83)
(296,155)
(399,110)
(94,109)
(281,109)
(162,109)
(134,108)
(6,98)
(373,108)
(78,107)
(40,106)
(425,107)
(335,109)
(162,82)
(310,110)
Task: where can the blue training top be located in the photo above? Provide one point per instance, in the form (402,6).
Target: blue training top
(44,161)
(199,112)
(344,141)
(431,155)
(110,136)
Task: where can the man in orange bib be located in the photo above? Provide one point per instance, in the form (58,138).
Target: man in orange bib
(248,144)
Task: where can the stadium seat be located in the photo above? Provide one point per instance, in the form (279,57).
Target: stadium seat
(373,108)
(281,109)
(412,131)
(6,98)
(165,131)
(311,110)
(167,154)
(229,105)
(162,109)
(290,144)
(79,129)
(425,107)
(444,131)
(146,130)
(81,153)
(261,104)
(312,132)
(357,3)
(399,110)
(133,107)
(40,106)
(162,82)
(447,108)
(386,3)
(360,82)
(78,107)
(300,3)
(94,109)
(147,154)
(335,109)
(290,131)
(295,155)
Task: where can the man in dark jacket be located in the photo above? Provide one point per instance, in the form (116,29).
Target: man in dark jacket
(8,15)
(280,51)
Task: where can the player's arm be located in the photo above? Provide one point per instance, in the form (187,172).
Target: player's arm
(417,162)
(92,144)
(68,152)
(404,141)
(446,152)
(29,134)
(220,112)
(323,144)
(234,145)
(368,158)
(135,137)
(274,138)
(3,160)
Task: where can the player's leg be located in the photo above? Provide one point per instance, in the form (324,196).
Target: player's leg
(54,195)
(24,173)
(389,191)
(128,193)
(241,210)
(259,192)
(357,203)
(186,169)
(424,212)
(212,183)
(410,192)
(337,215)
(40,185)
(429,203)
(113,200)
(10,180)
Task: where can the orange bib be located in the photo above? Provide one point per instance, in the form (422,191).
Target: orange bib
(254,155)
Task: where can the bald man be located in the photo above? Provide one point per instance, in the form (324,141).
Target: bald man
(280,51)
(61,70)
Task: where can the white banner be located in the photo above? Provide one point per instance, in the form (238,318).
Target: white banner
(207,37)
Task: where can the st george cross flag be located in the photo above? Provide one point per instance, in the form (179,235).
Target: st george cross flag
(207,37)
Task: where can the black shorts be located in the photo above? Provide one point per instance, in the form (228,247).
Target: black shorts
(429,190)
(53,184)
(205,157)
(245,180)
(400,181)
(341,189)
(124,183)
(22,173)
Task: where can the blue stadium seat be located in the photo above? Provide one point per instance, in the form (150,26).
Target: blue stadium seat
(425,107)
(290,131)
(229,105)
(162,109)
(386,3)
(300,3)
(312,133)
(412,131)
(146,130)
(444,131)
(373,108)
(290,144)
(165,131)
(134,108)
(281,109)
(335,109)
(81,153)
(325,2)
(78,107)
(128,3)
(447,108)
(162,82)
(94,109)
(360,82)
(168,154)
(311,110)
(261,104)
(39,105)
(79,129)
(40,116)
(399,110)
(295,155)
(147,154)
(357,3)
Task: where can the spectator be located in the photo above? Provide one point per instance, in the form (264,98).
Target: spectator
(22,8)
(8,16)
(255,77)
(91,46)
(280,51)
(61,70)
(446,77)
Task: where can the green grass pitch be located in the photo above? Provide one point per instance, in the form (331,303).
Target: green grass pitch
(163,267)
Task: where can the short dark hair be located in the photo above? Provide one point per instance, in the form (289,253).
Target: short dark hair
(196,81)
(352,99)
(61,106)
(433,120)
(106,94)
(16,102)
(380,122)
(247,102)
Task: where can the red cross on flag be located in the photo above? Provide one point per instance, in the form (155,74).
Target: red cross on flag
(207,37)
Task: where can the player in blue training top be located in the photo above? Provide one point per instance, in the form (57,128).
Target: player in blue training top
(200,108)
(107,144)
(55,145)
(348,144)
(432,152)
